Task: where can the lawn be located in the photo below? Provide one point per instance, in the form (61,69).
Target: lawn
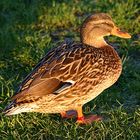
(29,28)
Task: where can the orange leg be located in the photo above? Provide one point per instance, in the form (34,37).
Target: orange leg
(69,114)
(86,120)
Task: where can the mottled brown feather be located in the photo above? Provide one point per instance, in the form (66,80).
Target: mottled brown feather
(84,58)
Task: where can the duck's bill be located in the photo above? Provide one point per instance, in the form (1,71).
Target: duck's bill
(117,32)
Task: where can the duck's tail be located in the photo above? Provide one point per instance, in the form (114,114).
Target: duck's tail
(13,108)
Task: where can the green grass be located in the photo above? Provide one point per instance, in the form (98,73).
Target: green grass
(29,28)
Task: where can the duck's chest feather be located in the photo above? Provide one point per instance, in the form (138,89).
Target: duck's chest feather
(104,65)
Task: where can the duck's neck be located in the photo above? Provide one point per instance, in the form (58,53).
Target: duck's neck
(97,42)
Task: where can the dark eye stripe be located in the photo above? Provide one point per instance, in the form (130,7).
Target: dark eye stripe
(103,29)
(104,26)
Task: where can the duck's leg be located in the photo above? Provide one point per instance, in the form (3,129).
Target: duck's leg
(88,119)
(69,114)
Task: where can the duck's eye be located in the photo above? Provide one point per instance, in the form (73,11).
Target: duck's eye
(118,29)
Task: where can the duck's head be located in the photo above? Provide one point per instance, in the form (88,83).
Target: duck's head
(96,26)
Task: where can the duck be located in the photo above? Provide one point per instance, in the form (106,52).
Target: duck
(73,73)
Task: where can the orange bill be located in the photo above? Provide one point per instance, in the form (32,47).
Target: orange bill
(117,32)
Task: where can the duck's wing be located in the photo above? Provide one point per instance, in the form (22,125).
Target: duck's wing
(52,74)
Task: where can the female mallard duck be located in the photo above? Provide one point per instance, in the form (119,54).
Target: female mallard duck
(72,74)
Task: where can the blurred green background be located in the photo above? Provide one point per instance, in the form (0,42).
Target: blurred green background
(29,28)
